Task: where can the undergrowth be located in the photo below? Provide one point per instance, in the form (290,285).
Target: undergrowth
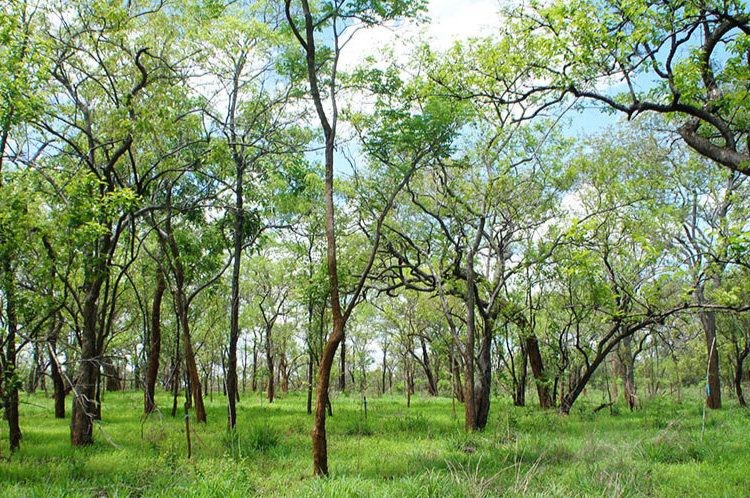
(421,451)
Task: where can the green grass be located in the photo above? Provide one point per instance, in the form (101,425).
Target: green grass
(397,452)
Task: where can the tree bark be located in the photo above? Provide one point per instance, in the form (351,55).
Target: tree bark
(738,374)
(84,404)
(309,384)
(234,321)
(713,389)
(57,379)
(628,372)
(342,373)
(176,373)
(270,387)
(431,382)
(167,238)
(540,374)
(484,381)
(9,364)
(155,349)
(519,397)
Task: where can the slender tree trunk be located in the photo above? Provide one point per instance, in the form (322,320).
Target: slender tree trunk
(270,391)
(342,373)
(738,373)
(615,375)
(57,379)
(244,367)
(431,382)
(309,384)
(181,303)
(234,322)
(176,373)
(385,368)
(254,383)
(457,375)
(33,381)
(519,399)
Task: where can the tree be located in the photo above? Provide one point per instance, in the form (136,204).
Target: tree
(336,14)
(686,60)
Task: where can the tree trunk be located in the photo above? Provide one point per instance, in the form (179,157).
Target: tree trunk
(738,371)
(628,372)
(309,384)
(342,373)
(385,368)
(320,450)
(34,370)
(176,372)
(57,379)
(470,408)
(615,375)
(713,389)
(167,238)
(84,404)
(431,382)
(234,321)
(484,381)
(270,391)
(519,397)
(10,386)
(155,350)
(254,383)
(537,368)
(456,366)
(284,374)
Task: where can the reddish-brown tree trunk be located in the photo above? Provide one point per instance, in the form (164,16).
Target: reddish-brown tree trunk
(540,374)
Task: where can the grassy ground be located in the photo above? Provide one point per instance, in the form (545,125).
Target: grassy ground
(397,452)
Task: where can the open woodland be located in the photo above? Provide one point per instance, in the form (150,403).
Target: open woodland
(306,248)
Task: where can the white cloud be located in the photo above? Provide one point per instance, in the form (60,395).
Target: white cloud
(450,21)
